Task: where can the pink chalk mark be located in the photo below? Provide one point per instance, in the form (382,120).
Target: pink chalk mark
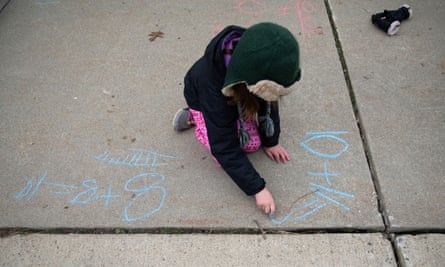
(284,10)
(301,18)
(304,8)
(307,6)
(251,22)
(257,9)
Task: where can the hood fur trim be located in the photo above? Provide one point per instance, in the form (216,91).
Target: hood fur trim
(267,90)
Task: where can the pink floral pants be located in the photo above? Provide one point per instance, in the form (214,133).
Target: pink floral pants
(201,132)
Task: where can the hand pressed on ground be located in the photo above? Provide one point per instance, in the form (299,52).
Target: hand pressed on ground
(277,153)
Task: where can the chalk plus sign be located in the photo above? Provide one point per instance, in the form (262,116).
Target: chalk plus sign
(108,196)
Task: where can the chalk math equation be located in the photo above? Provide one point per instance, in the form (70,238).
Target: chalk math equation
(142,187)
(146,190)
(325,194)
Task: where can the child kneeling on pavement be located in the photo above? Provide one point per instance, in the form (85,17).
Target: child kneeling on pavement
(232,94)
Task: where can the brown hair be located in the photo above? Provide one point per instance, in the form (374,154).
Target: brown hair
(249,102)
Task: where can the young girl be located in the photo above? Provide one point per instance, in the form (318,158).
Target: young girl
(232,93)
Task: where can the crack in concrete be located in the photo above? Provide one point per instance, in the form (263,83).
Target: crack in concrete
(377,187)
(4,6)
(360,126)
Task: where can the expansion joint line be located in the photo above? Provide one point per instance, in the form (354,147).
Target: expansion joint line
(358,118)
(4,5)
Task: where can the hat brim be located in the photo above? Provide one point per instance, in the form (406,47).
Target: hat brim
(265,89)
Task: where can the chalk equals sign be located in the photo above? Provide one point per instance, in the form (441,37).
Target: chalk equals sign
(63,188)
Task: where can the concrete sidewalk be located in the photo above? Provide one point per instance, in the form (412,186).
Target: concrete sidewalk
(398,85)
(198,250)
(86,100)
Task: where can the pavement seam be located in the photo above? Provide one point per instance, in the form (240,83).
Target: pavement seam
(360,126)
(391,237)
(9,231)
(4,6)
(6,232)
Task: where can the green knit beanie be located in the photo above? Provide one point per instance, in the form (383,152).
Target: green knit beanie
(267,59)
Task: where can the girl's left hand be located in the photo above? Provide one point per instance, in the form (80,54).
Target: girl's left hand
(277,153)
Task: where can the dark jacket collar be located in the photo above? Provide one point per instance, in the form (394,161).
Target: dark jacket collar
(214,54)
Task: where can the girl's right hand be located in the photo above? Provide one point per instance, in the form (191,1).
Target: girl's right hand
(265,202)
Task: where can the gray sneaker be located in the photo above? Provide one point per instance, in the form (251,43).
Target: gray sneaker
(182,121)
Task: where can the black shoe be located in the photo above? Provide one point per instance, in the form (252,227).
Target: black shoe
(385,24)
(389,20)
(401,14)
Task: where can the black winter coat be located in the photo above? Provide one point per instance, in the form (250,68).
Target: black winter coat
(203,84)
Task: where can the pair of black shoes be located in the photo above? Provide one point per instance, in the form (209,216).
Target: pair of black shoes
(389,20)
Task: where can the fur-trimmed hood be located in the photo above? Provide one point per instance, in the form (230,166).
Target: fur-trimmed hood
(267,90)
(267,59)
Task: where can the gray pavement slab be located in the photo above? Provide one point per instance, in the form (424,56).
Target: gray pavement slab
(398,84)
(421,250)
(86,102)
(197,250)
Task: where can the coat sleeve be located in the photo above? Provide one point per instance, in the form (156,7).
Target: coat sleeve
(220,119)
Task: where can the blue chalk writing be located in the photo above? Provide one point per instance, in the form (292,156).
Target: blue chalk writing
(310,212)
(300,208)
(108,196)
(137,158)
(89,192)
(325,174)
(90,187)
(143,191)
(327,133)
(28,190)
(332,190)
(63,186)
(323,193)
(333,201)
(321,135)
(285,218)
(305,206)
(45,3)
